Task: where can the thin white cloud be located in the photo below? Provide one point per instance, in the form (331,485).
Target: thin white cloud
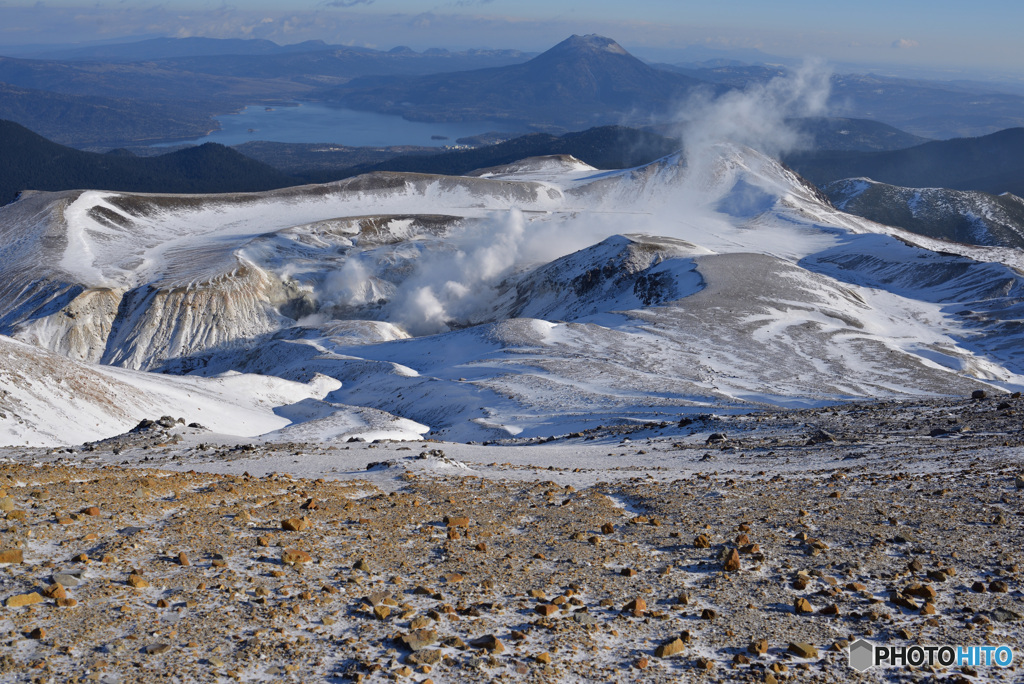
(345,3)
(905,44)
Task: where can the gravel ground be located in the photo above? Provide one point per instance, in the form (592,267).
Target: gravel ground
(733,548)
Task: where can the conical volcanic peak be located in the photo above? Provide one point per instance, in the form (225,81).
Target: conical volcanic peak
(590,43)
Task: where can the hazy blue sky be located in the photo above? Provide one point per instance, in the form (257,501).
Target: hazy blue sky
(938,33)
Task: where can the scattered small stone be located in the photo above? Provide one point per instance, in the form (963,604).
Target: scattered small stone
(802,650)
(456,521)
(703,663)
(137,581)
(296,524)
(1005,615)
(821,437)
(295,557)
(489,643)
(430,656)
(65,579)
(732,561)
(670,648)
(903,601)
(923,591)
(758,647)
(418,639)
(22,600)
(637,605)
(55,591)
(802,606)
(12,556)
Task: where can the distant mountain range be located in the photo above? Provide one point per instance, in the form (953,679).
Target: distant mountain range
(593,79)
(928,109)
(992,163)
(177,86)
(581,82)
(102,121)
(932,109)
(861,135)
(316,50)
(173,88)
(604,147)
(148,81)
(31,162)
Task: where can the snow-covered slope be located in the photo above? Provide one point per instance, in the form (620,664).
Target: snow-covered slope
(47,399)
(975,218)
(529,299)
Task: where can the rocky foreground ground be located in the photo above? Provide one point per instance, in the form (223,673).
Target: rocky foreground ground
(732,548)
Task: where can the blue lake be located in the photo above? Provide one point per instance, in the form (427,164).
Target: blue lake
(313,122)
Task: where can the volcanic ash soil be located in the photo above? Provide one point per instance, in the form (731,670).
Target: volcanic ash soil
(119,574)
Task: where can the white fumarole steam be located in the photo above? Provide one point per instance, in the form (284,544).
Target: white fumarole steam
(759,116)
(451,285)
(454,284)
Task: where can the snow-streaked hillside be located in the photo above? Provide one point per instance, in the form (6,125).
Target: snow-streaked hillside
(46,399)
(531,299)
(967,216)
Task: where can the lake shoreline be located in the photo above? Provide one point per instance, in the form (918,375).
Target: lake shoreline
(331,123)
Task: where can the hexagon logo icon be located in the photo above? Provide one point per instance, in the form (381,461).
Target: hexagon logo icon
(862,655)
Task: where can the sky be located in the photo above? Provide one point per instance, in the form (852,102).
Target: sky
(939,34)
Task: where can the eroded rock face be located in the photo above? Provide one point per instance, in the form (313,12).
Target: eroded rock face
(80,329)
(161,323)
(136,281)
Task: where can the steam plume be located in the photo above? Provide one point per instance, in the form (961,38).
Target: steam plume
(758,116)
(457,280)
